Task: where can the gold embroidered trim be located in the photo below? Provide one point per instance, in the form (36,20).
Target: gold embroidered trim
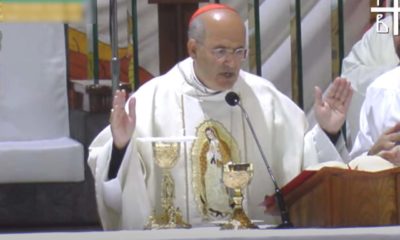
(213,148)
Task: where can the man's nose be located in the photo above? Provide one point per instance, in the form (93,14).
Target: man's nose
(230,59)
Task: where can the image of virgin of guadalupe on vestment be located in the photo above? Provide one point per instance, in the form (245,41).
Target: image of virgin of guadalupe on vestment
(213,148)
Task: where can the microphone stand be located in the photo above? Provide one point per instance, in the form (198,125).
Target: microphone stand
(286,223)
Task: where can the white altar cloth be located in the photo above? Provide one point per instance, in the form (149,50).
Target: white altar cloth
(364,233)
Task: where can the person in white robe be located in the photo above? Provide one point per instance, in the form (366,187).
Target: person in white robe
(373,55)
(380,119)
(186,101)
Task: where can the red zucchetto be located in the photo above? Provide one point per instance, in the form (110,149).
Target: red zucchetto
(209,7)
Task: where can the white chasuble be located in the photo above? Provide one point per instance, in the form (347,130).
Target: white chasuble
(174,105)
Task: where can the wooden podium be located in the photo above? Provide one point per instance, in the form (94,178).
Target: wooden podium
(334,197)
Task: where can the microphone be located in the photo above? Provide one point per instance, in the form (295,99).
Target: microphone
(234,100)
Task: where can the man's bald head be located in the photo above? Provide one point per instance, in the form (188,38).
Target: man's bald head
(217,39)
(218,18)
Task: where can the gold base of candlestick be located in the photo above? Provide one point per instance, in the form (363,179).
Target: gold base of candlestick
(170,218)
(239,220)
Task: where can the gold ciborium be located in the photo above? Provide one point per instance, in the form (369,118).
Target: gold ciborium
(166,154)
(237,176)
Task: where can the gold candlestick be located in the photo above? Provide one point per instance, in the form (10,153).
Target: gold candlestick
(166,155)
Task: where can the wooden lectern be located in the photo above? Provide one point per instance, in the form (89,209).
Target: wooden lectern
(334,197)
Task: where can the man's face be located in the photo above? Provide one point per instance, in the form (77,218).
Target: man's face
(219,56)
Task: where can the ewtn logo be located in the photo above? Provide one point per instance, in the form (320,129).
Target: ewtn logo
(381,27)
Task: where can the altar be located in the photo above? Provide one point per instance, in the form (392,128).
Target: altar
(364,233)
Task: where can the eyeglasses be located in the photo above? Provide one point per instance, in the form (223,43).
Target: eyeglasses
(222,53)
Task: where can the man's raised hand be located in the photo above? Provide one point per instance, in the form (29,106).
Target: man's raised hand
(331,110)
(122,122)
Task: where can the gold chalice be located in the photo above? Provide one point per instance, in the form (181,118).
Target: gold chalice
(237,176)
(166,154)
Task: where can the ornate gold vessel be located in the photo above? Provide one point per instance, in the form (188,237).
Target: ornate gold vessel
(237,176)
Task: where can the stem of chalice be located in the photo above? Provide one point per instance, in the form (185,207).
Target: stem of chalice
(168,189)
(237,176)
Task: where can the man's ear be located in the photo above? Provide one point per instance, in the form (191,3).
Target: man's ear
(192,48)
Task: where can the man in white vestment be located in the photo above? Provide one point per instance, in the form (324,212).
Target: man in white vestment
(188,100)
(380,119)
(370,57)
(379,116)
